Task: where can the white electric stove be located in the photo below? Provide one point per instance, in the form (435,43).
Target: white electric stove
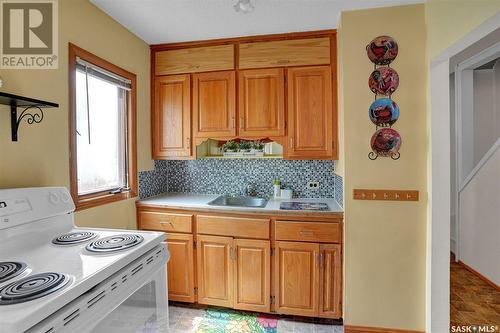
(55,277)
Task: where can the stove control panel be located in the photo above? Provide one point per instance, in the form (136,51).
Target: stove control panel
(25,205)
(14,206)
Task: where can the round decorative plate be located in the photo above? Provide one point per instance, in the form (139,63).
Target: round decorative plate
(382,50)
(383,81)
(384,112)
(386,142)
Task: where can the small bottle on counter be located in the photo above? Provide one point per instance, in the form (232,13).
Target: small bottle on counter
(286,193)
(277,188)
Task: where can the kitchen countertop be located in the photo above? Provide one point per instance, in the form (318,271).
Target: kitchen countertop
(200,202)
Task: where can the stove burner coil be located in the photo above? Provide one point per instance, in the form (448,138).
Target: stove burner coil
(74,238)
(115,243)
(32,287)
(10,269)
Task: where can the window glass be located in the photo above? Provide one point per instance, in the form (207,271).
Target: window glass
(101,113)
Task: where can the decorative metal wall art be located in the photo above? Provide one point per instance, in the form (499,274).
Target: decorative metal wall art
(383,112)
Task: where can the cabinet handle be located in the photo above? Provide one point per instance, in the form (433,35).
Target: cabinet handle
(321,260)
(166,222)
(317,260)
(242,123)
(232,253)
(291,142)
(234,121)
(188,142)
(306,233)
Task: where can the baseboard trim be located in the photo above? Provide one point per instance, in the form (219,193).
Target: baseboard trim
(367,329)
(479,275)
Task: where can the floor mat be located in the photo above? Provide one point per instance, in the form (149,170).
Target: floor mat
(230,321)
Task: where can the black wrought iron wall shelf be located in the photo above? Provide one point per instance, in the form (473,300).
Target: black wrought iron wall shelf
(32,112)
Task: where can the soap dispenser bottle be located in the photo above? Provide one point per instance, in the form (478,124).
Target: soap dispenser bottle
(277,188)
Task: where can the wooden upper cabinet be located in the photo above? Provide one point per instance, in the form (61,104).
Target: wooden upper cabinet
(261,94)
(215,270)
(283,53)
(180,268)
(310,113)
(330,285)
(214,104)
(171,117)
(252,275)
(195,59)
(296,272)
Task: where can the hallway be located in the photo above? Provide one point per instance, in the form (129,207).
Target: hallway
(472,300)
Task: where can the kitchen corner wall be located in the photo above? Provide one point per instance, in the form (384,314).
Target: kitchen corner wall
(385,242)
(227,176)
(41,156)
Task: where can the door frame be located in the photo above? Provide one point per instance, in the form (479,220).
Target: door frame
(439,214)
(464,135)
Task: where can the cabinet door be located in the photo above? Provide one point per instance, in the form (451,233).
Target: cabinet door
(297,278)
(214,104)
(215,270)
(194,59)
(261,96)
(284,53)
(172,117)
(330,281)
(252,275)
(310,114)
(180,268)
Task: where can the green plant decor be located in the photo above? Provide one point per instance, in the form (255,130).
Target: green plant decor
(258,145)
(231,146)
(245,146)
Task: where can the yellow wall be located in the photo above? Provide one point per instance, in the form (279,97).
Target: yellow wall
(40,157)
(449,20)
(385,241)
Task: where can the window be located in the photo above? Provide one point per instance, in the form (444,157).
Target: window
(102,130)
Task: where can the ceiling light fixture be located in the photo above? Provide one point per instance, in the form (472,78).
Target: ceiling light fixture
(244,6)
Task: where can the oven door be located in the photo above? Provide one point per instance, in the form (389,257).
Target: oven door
(146,310)
(132,300)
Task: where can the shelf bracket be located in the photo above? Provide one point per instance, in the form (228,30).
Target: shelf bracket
(35,117)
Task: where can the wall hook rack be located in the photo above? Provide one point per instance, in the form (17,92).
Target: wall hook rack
(32,112)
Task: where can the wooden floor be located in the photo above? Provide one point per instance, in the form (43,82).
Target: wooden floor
(472,301)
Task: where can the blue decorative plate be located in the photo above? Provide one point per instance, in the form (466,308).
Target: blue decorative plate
(384,112)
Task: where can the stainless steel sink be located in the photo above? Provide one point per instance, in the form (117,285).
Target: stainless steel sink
(239,201)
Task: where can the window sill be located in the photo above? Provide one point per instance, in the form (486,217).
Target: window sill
(99,199)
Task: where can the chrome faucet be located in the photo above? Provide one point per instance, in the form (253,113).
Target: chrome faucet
(250,190)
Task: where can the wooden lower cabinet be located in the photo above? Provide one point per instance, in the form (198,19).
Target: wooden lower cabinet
(252,273)
(297,278)
(308,279)
(180,268)
(254,263)
(215,270)
(330,281)
(234,272)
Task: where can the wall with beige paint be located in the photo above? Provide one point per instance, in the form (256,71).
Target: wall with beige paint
(385,241)
(449,20)
(41,156)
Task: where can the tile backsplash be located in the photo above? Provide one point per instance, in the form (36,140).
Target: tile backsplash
(230,176)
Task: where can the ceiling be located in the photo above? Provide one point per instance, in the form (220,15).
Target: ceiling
(166,21)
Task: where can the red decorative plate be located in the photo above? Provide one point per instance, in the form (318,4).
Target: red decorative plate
(386,142)
(382,50)
(383,81)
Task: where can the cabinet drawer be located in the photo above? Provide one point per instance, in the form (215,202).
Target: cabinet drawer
(195,59)
(284,53)
(308,231)
(233,226)
(165,221)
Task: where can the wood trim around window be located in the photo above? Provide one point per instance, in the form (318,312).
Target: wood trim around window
(100,198)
